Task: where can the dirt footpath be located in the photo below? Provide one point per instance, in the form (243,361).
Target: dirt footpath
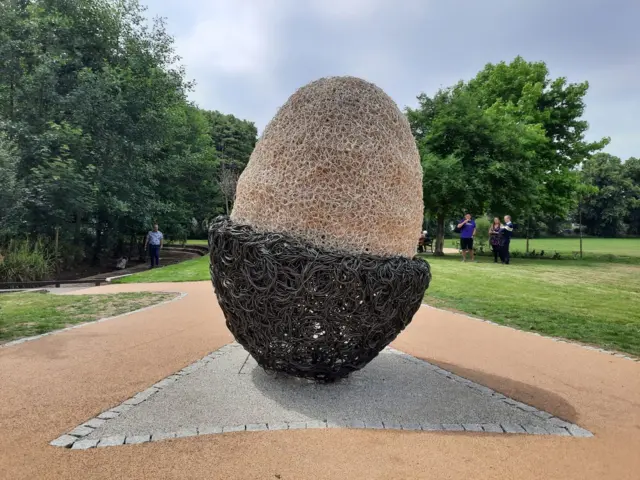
(50,385)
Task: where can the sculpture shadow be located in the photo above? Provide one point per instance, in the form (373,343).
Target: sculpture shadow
(392,388)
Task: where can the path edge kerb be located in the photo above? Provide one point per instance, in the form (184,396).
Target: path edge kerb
(179,296)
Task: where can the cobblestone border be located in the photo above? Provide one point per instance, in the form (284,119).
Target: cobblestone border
(75,439)
(179,296)
(536,334)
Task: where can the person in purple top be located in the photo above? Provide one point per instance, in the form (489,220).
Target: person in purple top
(467,229)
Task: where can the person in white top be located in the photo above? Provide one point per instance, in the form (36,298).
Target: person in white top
(154,240)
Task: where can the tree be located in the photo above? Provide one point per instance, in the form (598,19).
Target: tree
(631,171)
(9,184)
(604,212)
(233,139)
(518,135)
(533,97)
(103,141)
(474,159)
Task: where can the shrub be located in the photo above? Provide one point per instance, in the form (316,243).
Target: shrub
(24,261)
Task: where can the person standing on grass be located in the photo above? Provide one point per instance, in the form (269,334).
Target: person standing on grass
(154,240)
(507,231)
(467,227)
(495,239)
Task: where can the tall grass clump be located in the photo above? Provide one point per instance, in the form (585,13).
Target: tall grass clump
(25,261)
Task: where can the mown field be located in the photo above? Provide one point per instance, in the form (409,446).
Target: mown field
(593,248)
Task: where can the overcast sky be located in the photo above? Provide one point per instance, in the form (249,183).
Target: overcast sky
(249,56)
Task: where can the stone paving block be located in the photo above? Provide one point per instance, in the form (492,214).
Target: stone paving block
(236,428)
(94,423)
(559,422)
(109,414)
(355,424)
(81,431)
(374,425)
(278,426)
(122,408)
(136,439)
(64,441)
(134,400)
(472,427)
(209,429)
(512,428)
(84,444)
(541,414)
(492,428)
(111,441)
(336,424)
(149,392)
(453,427)
(553,430)
(164,383)
(577,431)
(187,432)
(411,426)
(256,427)
(297,425)
(525,407)
(316,424)
(392,425)
(156,437)
(432,427)
(535,430)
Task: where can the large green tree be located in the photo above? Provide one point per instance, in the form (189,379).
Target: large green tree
(518,136)
(606,210)
(474,159)
(103,139)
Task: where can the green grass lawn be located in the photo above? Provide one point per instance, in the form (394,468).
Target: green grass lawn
(194,269)
(27,314)
(592,302)
(197,242)
(592,247)
(596,303)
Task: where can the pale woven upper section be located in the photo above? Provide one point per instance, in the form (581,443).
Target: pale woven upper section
(337,167)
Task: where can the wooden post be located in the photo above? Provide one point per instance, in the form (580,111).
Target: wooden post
(580,223)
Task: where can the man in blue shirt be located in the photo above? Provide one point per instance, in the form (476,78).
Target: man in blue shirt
(155,240)
(507,231)
(467,229)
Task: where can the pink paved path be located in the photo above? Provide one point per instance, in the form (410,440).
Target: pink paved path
(51,385)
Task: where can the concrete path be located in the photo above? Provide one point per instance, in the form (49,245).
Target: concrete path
(50,385)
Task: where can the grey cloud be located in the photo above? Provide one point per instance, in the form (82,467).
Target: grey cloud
(411,46)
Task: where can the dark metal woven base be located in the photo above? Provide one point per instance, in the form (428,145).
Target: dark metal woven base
(309,312)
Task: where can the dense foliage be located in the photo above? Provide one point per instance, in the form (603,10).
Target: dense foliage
(97,137)
(509,141)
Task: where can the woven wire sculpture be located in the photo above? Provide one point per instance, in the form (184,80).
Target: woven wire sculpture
(310,312)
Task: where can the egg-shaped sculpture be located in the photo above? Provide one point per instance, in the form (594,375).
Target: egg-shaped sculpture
(314,269)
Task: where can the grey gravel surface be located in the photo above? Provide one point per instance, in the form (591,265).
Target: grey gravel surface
(229,392)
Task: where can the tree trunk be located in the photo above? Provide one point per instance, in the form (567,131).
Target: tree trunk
(439,248)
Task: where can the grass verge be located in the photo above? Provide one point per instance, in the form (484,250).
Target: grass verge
(590,302)
(28,314)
